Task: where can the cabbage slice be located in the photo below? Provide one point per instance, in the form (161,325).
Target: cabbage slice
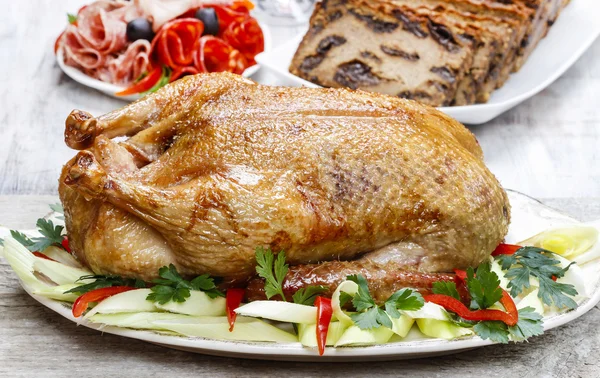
(279,311)
(211,327)
(307,333)
(198,304)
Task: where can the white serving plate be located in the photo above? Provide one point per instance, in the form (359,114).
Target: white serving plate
(529,217)
(573,33)
(110,89)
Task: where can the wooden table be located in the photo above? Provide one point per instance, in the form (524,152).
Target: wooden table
(547,148)
(37,341)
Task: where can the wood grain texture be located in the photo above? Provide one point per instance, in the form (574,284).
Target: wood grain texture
(38,342)
(546,147)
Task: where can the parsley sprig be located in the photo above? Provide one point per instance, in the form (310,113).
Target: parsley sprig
(484,287)
(539,263)
(172,287)
(529,324)
(273,270)
(51,235)
(369,315)
(101,282)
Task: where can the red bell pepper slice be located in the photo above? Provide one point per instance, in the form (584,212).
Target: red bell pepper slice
(145,84)
(233,298)
(506,249)
(65,244)
(509,305)
(81,304)
(324,314)
(456,306)
(42,256)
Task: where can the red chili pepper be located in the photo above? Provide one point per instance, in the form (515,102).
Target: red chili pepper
(456,306)
(145,84)
(324,314)
(233,299)
(506,249)
(65,244)
(81,304)
(42,256)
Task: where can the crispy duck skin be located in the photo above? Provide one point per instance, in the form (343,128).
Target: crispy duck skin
(384,279)
(215,165)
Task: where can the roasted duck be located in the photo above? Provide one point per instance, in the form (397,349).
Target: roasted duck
(344,182)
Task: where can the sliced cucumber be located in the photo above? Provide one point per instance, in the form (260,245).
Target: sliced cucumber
(280,311)
(402,325)
(129,301)
(356,336)
(57,292)
(198,304)
(347,287)
(136,320)
(210,327)
(442,329)
(59,273)
(429,311)
(307,333)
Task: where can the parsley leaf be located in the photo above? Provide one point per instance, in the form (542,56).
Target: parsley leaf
(105,281)
(529,324)
(307,295)
(206,284)
(57,207)
(492,330)
(373,318)
(403,299)
(22,238)
(51,235)
(362,300)
(273,270)
(370,315)
(446,288)
(345,298)
(539,263)
(172,287)
(484,287)
(72,18)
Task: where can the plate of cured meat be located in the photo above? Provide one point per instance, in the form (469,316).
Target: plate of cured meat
(473,59)
(225,217)
(127,49)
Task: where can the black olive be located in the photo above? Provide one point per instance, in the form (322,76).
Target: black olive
(140,28)
(211,22)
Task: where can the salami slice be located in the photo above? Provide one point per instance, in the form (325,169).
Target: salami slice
(216,55)
(177,42)
(130,65)
(247,37)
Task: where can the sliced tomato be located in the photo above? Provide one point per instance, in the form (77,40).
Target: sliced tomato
(216,55)
(177,42)
(247,37)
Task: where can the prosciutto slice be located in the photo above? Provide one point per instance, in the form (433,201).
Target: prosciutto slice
(98,35)
(131,64)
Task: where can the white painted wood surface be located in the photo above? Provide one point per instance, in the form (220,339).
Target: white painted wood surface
(38,342)
(546,147)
